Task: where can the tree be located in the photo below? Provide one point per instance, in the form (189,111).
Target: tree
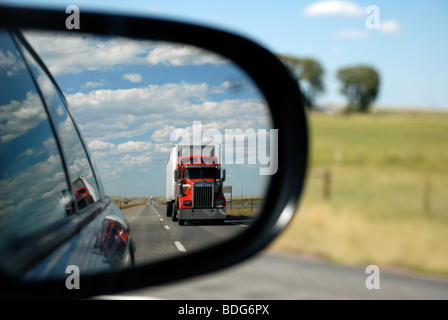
(308,72)
(361,86)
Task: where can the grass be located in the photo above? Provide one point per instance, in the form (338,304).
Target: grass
(388,201)
(241,212)
(255,200)
(119,201)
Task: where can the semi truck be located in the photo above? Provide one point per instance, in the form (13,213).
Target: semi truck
(194,184)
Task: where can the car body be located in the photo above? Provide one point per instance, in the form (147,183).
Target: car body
(53,209)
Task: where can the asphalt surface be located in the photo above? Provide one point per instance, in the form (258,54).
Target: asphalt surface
(158,237)
(277,276)
(267,276)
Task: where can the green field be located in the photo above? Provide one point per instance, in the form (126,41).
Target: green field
(387,202)
(119,201)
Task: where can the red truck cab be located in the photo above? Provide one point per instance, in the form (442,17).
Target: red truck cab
(194,184)
(196,169)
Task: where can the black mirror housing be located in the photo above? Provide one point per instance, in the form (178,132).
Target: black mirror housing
(288,114)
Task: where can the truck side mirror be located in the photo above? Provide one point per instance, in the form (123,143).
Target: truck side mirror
(176,174)
(223,175)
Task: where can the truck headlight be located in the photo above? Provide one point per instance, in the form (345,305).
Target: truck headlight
(219,203)
(186,203)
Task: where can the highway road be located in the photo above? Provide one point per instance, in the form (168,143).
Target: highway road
(135,201)
(280,276)
(268,276)
(158,237)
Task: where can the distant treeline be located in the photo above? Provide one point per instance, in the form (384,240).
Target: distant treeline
(359,83)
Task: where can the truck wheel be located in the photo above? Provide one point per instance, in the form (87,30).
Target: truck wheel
(169,209)
(174,218)
(181,222)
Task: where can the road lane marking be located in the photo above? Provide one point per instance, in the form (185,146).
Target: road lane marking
(238,224)
(179,246)
(156,210)
(167,227)
(129,210)
(161,219)
(132,216)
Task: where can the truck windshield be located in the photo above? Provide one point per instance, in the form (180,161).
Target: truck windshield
(202,173)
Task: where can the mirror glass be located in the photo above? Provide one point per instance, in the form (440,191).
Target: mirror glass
(181,140)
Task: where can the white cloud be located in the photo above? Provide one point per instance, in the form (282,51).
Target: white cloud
(101,145)
(140,155)
(180,55)
(10,64)
(163,134)
(22,199)
(103,114)
(390,26)
(134,146)
(129,160)
(93,84)
(334,8)
(129,112)
(18,117)
(116,172)
(69,53)
(133,77)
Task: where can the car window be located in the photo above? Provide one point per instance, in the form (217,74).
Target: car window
(34,188)
(80,171)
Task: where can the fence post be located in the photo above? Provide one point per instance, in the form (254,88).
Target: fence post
(427,196)
(326,184)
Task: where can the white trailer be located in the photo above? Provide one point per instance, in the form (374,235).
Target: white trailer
(171,166)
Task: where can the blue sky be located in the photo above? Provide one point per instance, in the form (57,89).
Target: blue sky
(134,99)
(130,145)
(409,51)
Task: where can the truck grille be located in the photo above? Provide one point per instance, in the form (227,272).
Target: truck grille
(203,196)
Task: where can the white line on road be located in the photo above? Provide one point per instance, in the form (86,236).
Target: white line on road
(161,219)
(237,224)
(179,246)
(167,227)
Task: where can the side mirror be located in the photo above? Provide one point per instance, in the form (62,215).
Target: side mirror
(84,237)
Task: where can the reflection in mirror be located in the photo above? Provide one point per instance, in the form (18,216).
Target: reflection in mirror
(79,169)
(181,137)
(34,191)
